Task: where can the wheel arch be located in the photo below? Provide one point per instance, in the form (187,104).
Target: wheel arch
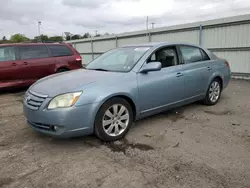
(217,76)
(123,96)
(220,79)
(61,67)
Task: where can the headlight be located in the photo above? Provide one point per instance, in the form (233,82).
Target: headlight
(65,100)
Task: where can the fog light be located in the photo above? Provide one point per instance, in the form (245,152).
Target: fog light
(54,128)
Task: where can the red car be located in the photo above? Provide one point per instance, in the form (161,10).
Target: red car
(23,64)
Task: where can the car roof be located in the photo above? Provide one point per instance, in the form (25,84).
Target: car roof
(30,44)
(159,44)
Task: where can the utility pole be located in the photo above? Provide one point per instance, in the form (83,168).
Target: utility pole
(96,31)
(39,31)
(152,25)
(68,34)
(147,23)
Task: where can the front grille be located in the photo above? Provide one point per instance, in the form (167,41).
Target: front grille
(34,100)
(42,126)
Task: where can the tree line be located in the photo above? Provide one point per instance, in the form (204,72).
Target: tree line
(16,38)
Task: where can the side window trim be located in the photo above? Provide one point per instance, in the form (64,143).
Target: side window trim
(180,57)
(49,52)
(204,55)
(18,53)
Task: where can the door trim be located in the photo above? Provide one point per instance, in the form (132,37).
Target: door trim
(163,106)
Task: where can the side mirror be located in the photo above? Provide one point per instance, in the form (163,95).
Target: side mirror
(151,66)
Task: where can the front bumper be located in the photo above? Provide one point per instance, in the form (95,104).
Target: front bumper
(62,122)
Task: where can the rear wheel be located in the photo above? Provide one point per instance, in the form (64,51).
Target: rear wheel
(213,92)
(113,119)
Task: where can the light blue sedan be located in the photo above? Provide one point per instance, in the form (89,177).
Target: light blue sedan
(123,85)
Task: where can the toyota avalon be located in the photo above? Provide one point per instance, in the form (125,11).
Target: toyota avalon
(123,85)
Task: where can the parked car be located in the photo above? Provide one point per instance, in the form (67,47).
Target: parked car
(23,64)
(123,85)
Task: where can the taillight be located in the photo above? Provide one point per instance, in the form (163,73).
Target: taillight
(79,58)
(227,64)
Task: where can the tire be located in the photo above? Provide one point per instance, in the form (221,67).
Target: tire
(62,70)
(111,126)
(214,86)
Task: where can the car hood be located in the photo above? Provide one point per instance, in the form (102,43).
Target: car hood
(71,81)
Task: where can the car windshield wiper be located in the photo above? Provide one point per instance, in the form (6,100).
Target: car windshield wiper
(99,69)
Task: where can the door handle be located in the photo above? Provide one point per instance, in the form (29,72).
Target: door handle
(179,74)
(25,63)
(209,68)
(13,64)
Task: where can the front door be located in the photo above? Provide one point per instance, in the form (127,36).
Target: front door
(160,89)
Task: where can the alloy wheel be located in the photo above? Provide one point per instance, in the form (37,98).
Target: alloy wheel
(115,120)
(214,91)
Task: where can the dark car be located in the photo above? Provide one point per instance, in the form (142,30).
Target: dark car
(23,64)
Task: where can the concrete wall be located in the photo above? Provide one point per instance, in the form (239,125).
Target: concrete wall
(228,38)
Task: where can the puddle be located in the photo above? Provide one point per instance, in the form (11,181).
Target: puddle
(117,146)
(123,145)
(218,113)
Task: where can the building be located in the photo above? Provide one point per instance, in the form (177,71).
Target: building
(228,38)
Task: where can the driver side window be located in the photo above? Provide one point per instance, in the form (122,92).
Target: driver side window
(167,56)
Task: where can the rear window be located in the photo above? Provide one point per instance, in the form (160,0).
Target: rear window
(7,54)
(60,50)
(33,52)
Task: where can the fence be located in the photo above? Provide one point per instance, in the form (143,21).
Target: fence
(228,38)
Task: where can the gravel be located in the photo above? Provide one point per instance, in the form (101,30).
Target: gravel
(193,146)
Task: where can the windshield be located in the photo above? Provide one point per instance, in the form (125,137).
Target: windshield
(119,59)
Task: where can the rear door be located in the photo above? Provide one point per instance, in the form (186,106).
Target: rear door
(65,56)
(36,61)
(196,70)
(9,67)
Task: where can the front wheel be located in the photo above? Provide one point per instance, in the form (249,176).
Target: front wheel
(213,92)
(113,119)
